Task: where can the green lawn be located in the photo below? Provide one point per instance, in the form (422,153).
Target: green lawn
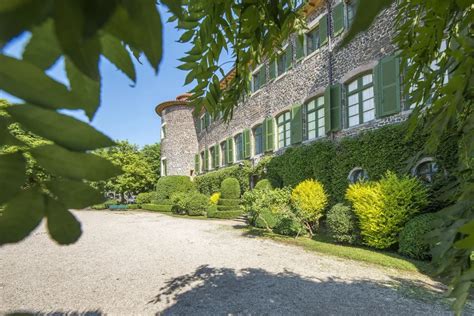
(323,245)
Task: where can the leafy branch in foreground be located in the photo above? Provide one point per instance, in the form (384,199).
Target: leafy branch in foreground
(249,31)
(78,32)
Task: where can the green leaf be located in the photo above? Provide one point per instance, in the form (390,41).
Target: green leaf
(70,25)
(12,175)
(5,137)
(368,11)
(84,88)
(74,165)
(174,6)
(63,227)
(465,243)
(138,23)
(21,216)
(64,130)
(43,49)
(28,82)
(16,16)
(74,194)
(117,54)
(467,228)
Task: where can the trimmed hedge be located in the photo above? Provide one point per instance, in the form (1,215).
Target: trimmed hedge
(227,208)
(342,224)
(166,186)
(375,151)
(229,202)
(230,189)
(224,214)
(133,206)
(99,207)
(161,202)
(263,184)
(157,208)
(210,182)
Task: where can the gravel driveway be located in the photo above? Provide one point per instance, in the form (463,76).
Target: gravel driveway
(146,263)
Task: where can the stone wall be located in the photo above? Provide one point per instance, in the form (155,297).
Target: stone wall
(180,144)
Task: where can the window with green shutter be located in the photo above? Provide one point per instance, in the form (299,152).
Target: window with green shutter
(202,166)
(268,134)
(360,100)
(281,64)
(224,153)
(299,46)
(164,168)
(338,18)
(314,124)
(259,78)
(202,122)
(258,139)
(296,125)
(323,29)
(212,157)
(387,78)
(312,40)
(289,56)
(197,164)
(198,125)
(284,129)
(230,150)
(336,107)
(246,135)
(239,147)
(351,8)
(216,156)
(272,69)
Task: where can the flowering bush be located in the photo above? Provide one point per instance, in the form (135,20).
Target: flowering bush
(310,200)
(215,198)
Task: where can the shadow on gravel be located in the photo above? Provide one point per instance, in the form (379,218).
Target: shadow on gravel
(57,313)
(226,291)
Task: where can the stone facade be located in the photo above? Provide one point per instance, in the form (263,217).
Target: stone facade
(307,78)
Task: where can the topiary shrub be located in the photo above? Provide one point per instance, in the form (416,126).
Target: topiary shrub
(215,198)
(229,202)
(310,200)
(162,202)
(210,182)
(178,201)
(289,226)
(169,185)
(224,214)
(412,240)
(385,206)
(230,189)
(145,198)
(264,184)
(197,204)
(211,210)
(342,224)
(133,206)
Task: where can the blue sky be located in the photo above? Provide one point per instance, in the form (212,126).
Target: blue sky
(128,112)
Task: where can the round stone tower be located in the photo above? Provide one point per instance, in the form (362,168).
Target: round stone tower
(178,137)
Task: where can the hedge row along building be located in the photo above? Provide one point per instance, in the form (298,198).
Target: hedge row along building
(311,92)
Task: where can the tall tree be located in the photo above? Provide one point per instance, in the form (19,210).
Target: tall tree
(152,154)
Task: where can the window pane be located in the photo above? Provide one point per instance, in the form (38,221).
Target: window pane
(312,125)
(354,120)
(352,86)
(353,110)
(369,115)
(312,134)
(368,105)
(311,116)
(353,99)
(311,106)
(367,79)
(321,122)
(320,101)
(321,131)
(321,113)
(368,93)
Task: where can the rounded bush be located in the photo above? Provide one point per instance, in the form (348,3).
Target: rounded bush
(289,226)
(229,202)
(310,200)
(197,204)
(264,184)
(145,198)
(266,219)
(342,224)
(167,186)
(230,189)
(211,210)
(412,241)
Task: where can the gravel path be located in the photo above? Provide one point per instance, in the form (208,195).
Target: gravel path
(146,263)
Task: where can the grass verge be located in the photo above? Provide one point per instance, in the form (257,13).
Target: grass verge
(323,245)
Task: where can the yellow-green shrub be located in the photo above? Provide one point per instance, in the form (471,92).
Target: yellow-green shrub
(385,206)
(215,198)
(310,200)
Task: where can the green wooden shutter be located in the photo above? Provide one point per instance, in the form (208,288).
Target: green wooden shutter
(268,133)
(336,107)
(196,163)
(299,46)
(206,159)
(327,109)
(272,69)
(296,125)
(323,30)
(289,56)
(198,124)
(230,150)
(387,80)
(262,76)
(206,120)
(338,18)
(246,136)
(216,156)
(225,153)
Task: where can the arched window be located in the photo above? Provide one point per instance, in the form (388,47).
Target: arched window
(358,175)
(284,129)
(258,139)
(426,169)
(314,118)
(239,147)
